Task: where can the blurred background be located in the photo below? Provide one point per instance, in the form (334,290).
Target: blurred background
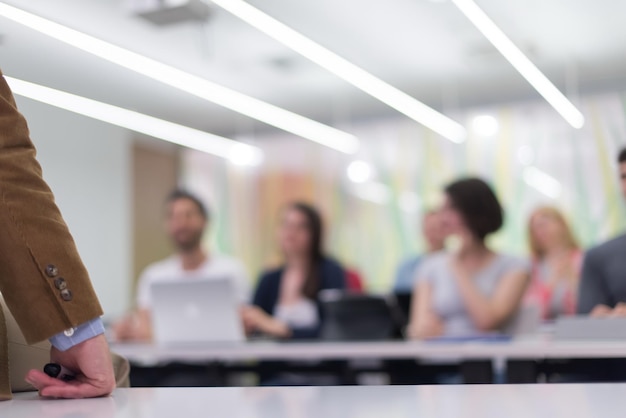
(110,181)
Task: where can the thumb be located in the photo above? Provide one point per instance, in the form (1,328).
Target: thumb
(40,380)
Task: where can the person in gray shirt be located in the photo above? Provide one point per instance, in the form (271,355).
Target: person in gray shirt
(471,290)
(603,284)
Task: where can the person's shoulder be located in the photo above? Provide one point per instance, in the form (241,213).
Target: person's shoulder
(409,263)
(432,264)
(164,266)
(271,274)
(608,248)
(330,263)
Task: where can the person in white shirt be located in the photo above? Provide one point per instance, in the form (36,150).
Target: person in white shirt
(187,220)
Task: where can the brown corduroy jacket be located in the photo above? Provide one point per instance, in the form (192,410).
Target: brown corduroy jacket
(42,278)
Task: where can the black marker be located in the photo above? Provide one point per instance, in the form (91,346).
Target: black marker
(59,372)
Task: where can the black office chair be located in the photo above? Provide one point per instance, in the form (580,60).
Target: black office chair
(356,317)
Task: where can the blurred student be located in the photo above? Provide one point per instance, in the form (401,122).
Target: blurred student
(602,293)
(472,289)
(556,263)
(186,222)
(286,303)
(603,284)
(433,232)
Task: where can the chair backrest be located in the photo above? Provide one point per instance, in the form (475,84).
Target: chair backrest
(354,281)
(355,317)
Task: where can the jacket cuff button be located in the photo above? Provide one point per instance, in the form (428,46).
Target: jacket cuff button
(60,283)
(52,270)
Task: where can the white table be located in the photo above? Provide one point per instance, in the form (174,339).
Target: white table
(535,348)
(495,401)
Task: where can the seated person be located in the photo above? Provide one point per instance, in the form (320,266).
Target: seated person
(556,264)
(432,230)
(602,293)
(603,283)
(285,304)
(187,220)
(473,289)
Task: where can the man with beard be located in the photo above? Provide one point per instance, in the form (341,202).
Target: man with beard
(186,222)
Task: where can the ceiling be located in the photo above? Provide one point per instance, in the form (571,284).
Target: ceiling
(426,48)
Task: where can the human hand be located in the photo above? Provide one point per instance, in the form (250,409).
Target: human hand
(619,311)
(427,328)
(90,360)
(600,311)
(256,319)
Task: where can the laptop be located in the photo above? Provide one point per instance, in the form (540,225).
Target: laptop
(583,327)
(196,311)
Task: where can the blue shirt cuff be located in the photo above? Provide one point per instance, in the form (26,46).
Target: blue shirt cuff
(74,336)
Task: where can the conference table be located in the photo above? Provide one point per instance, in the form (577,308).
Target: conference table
(480,355)
(519,348)
(454,401)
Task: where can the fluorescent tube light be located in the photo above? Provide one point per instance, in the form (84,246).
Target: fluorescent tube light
(542,182)
(521,63)
(189,83)
(237,152)
(372,191)
(345,70)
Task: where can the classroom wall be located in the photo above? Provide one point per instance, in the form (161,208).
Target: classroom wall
(87,165)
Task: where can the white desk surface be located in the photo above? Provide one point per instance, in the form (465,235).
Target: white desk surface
(481,401)
(537,348)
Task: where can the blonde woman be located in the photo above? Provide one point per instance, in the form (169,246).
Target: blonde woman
(557,260)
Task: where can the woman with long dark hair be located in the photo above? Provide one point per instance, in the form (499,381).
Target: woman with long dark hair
(285,304)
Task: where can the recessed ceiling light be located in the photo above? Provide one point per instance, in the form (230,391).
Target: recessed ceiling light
(485,125)
(359,171)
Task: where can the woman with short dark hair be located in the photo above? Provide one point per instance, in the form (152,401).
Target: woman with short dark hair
(472,289)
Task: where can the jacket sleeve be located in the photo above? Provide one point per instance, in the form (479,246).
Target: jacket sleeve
(334,276)
(592,289)
(42,277)
(266,293)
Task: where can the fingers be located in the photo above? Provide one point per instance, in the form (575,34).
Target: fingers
(40,380)
(619,310)
(56,388)
(600,311)
(74,390)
